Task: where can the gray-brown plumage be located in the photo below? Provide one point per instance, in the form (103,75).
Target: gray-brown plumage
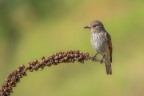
(101,42)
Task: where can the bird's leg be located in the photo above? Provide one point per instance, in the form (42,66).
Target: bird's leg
(95,54)
(94,57)
(102,60)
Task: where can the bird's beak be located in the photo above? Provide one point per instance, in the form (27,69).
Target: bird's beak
(87,27)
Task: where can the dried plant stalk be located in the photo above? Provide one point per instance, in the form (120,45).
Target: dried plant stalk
(62,57)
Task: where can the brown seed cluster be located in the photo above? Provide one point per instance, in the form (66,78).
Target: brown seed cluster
(61,57)
(12,80)
(58,58)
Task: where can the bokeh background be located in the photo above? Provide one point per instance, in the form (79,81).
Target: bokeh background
(30,29)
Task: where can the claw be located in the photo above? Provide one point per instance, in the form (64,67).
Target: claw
(101,61)
(93,58)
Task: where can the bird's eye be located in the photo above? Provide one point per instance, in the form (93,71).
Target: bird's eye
(94,25)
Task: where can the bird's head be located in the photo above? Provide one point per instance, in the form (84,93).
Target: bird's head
(95,25)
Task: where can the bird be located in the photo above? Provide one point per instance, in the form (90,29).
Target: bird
(102,43)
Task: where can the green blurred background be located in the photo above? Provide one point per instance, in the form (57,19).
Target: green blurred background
(30,29)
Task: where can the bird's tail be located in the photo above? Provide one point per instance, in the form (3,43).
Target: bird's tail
(108,68)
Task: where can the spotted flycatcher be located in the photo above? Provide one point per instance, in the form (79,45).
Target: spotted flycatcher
(101,42)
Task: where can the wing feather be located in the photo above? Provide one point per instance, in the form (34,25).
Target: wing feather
(109,45)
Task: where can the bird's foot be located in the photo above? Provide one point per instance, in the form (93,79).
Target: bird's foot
(94,58)
(101,61)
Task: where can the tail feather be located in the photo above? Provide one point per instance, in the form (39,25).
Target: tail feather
(108,68)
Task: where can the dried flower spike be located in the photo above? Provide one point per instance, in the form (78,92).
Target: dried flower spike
(62,57)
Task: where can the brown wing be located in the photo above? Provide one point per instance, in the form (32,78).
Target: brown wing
(109,45)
